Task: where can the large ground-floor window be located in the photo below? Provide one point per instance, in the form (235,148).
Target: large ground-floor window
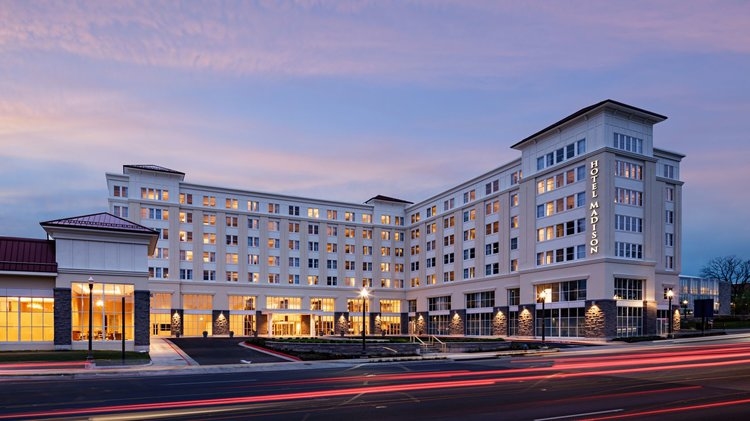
(27,319)
(439,324)
(390,325)
(194,324)
(562,322)
(242,324)
(161,324)
(479,324)
(512,323)
(107,311)
(629,321)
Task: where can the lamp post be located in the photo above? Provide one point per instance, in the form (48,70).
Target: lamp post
(670,294)
(543,297)
(684,308)
(90,357)
(363,293)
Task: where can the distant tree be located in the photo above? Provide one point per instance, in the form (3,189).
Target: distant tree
(736,271)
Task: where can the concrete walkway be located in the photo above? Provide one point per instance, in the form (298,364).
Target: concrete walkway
(164,354)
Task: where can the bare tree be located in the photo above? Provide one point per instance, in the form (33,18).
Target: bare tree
(734,270)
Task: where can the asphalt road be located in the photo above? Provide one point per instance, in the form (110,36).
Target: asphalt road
(220,351)
(695,381)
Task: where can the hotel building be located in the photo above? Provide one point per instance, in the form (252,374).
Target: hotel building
(585,224)
(579,237)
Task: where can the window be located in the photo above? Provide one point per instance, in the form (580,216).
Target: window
(470,215)
(366,218)
(121,191)
(492,207)
(232,240)
(231,203)
(669,171)
(628,289)
(491,269)
(492,187)
(514,296)
(153,194)
(469,253)
(449,276)
(628,250)
(312,229)
(485,299)
(514,243)
(628,197)
(273,208)
(492,228)
(515,178)
(513,200)
(514,221)
(253,205)
(253,223)
(431,211)
(439,303)
(470,196)
(669,217)
(448,204)
(669,239)
(293,227)
(349,216)
(209,238)
(186,199)
(449,221)
(669,194)
(628,170)
(415,218)
(492,248)
(209,219)
(293,210)
(385,219)
(332,214)
(209,201)
(313,213)
(628,143)
(628,223)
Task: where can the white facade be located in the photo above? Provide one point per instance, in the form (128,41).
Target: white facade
(590,214)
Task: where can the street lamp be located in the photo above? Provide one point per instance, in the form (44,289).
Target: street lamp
(90,357)
(543,297)
(364,294)
(684,308)
(670,294)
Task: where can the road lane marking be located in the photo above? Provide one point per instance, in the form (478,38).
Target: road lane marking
(583,414)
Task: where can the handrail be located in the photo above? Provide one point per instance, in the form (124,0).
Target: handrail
(443,346)
(418,339)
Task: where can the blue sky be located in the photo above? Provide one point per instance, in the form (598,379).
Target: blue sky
(347,100)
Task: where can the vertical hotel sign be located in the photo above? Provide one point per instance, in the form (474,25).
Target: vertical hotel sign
(594,206)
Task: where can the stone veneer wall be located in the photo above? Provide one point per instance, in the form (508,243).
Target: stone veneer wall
(220,322)
(526,321)
(142,315)
(63,318)
(649,318)
(341,323)
(175,318)
(458,321)
(500,322)
(420,327)
(600,319)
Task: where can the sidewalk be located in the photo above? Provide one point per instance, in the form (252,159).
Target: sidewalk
(164,354)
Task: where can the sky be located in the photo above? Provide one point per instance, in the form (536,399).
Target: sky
(345,100)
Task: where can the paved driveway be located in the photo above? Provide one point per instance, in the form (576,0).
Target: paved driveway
(216,351)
